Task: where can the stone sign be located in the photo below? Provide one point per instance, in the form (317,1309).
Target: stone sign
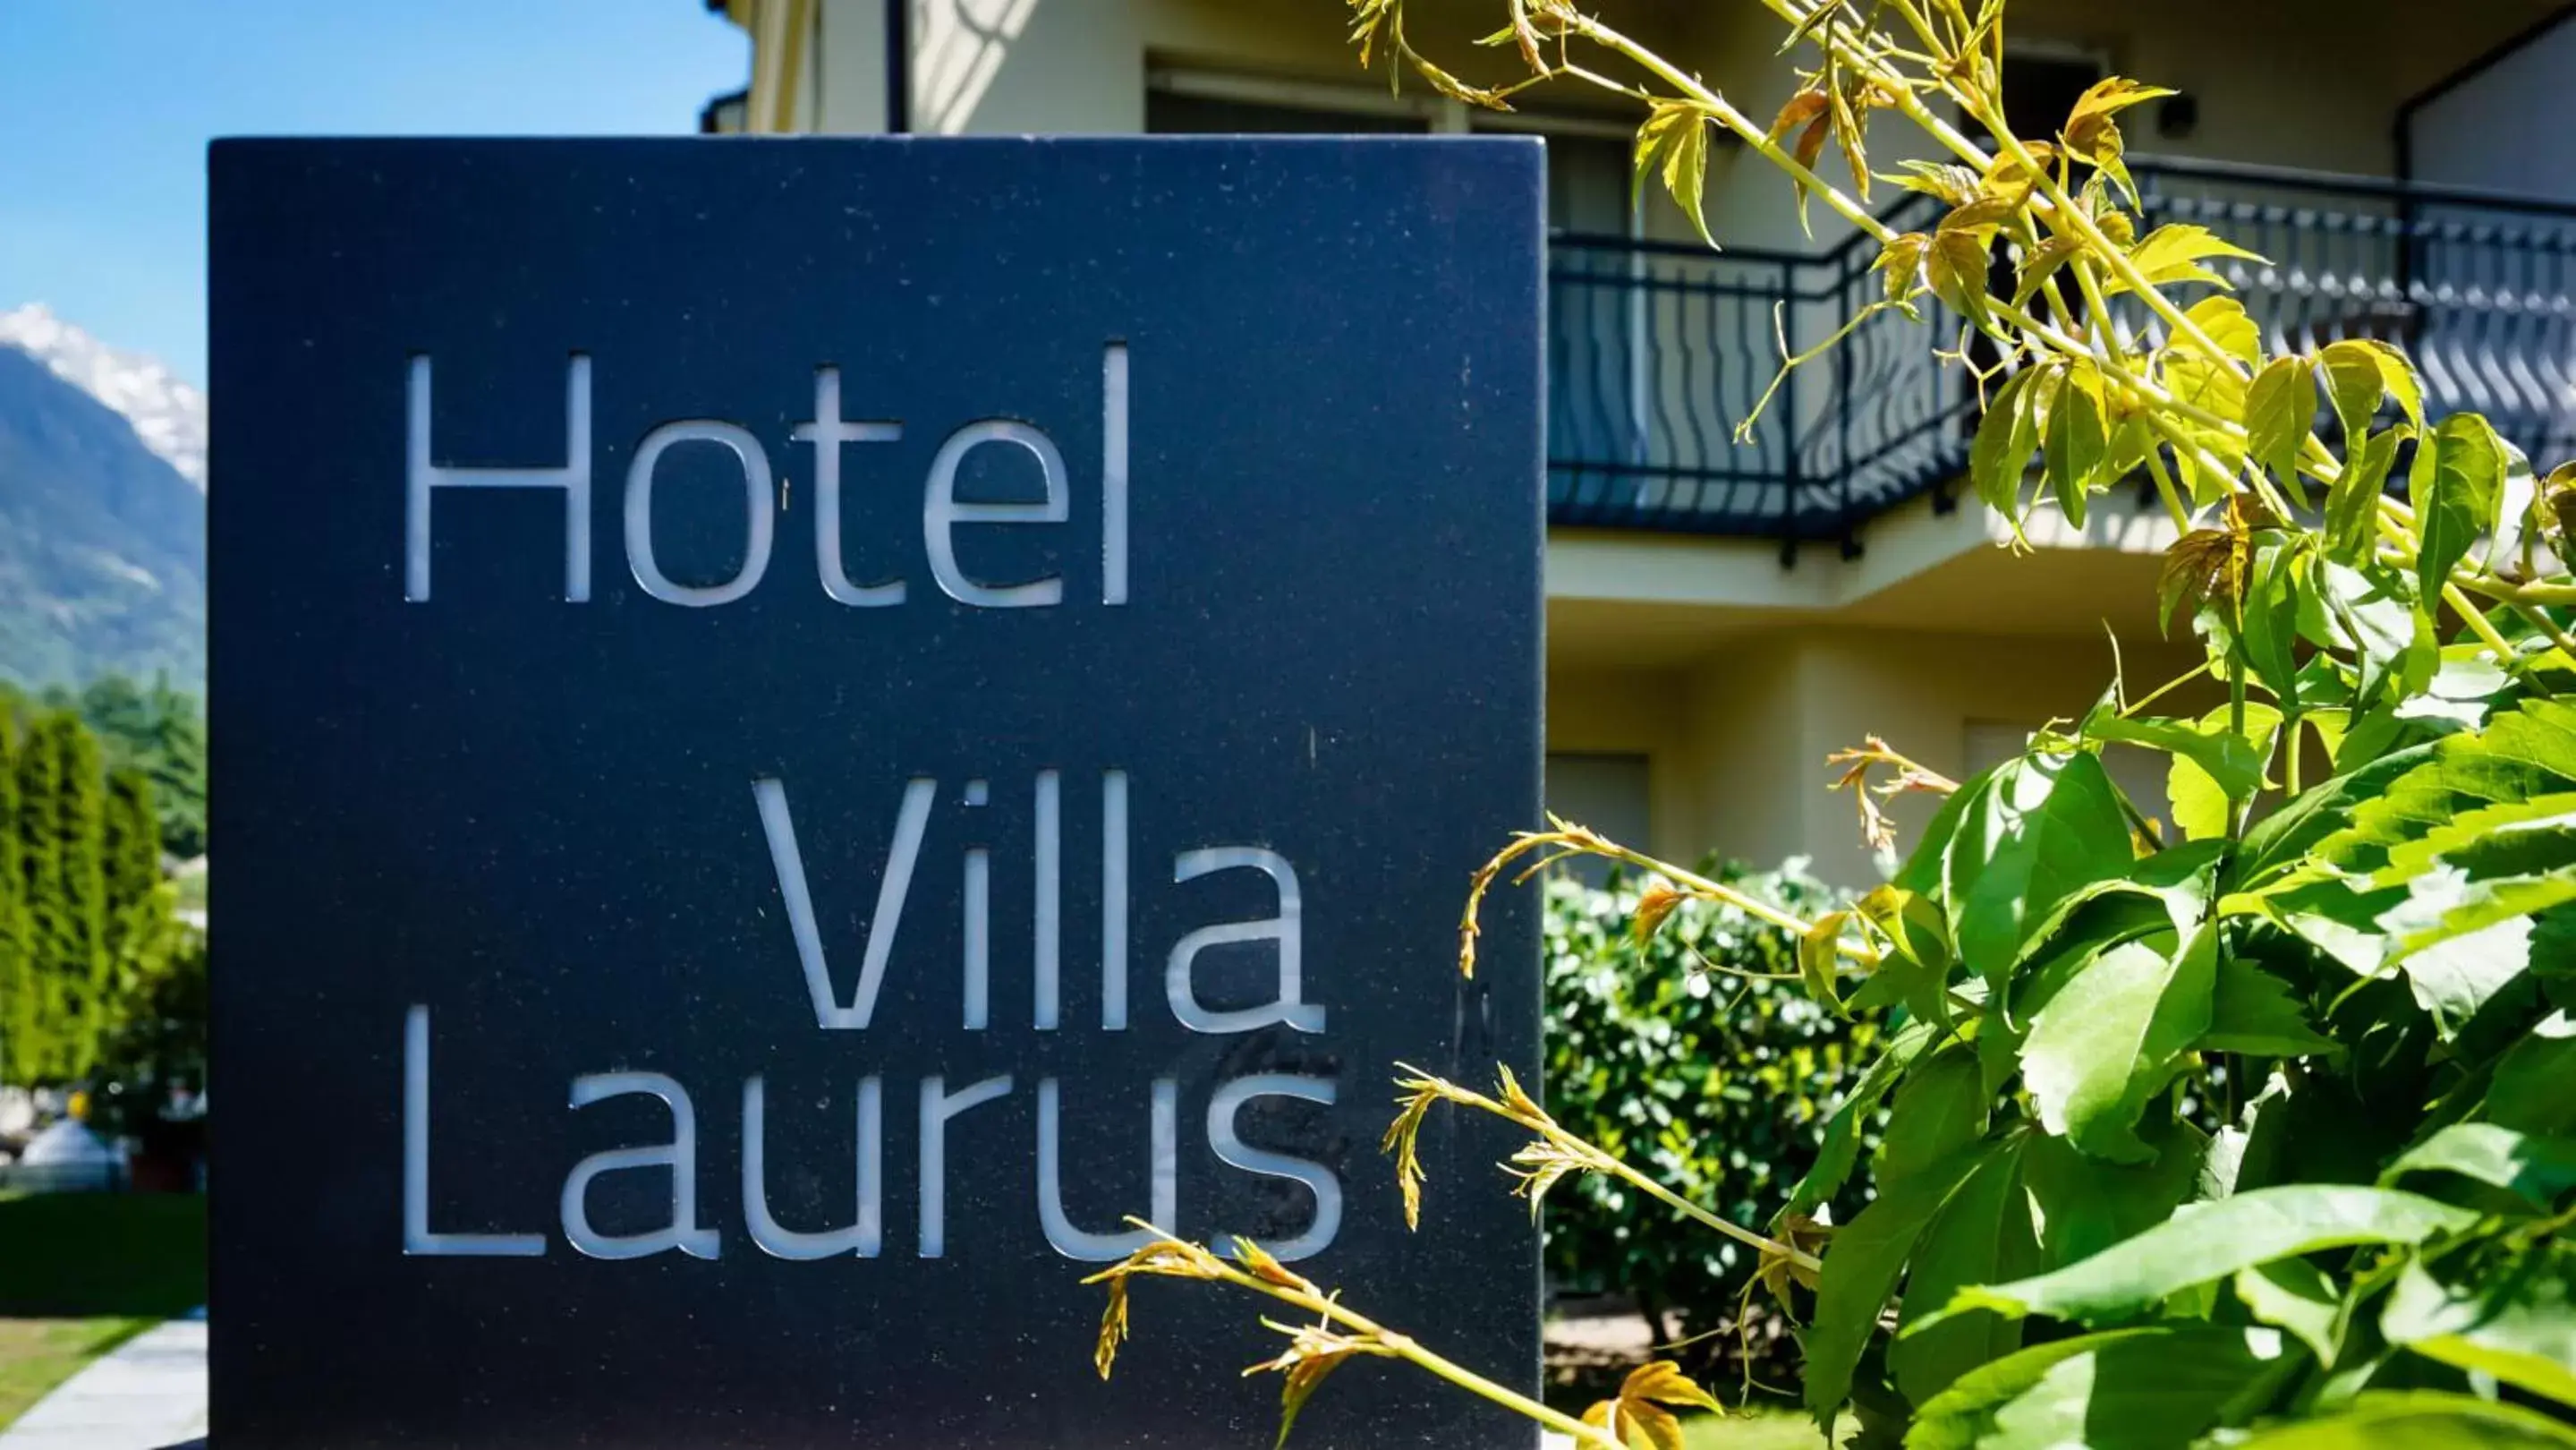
(803,730)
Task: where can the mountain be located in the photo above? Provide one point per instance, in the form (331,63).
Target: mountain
(102,533)
(167,414)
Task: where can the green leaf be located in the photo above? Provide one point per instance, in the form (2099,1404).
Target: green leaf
(1985,1233)
(1862,1263)
(1927,867)
(2038,829)
(1839,1146)
(2453,979)
(2225,322)
(2079,440)
(2519,518)
(2478,832)
(2179,882)
(2201,807)
(2529,1091)
(2518,1324)
(2355,384)
(2397,374)
(2370,616)
(1941,1108)
(2419,1420)
(2110,1039)
(2214,388)
(2043,263)
(2352,503)
(2173,254)
(2456,496)
(1914,926)
(2525,753)
(2006,437)
(2227,758)
(2280,406)
(2268,620)
(2210,1241)
(2201,810)
(2540,1169)
(1676,134)
(1959,1418)
(2336,919)
(1820,960)
(2295,1295)
(1915,970)
(1956,270)
(2255,1014)
(2473,904)
(2466,689)
(2312,1131)
(2085,1205)
(2138,1389)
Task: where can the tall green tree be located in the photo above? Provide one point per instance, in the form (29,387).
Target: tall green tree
(19,1012)
(62,809)
(132,842)
(160,731)
(139,907)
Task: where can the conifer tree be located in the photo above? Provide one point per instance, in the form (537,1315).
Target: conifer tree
(18,1000)
(62,790)
(139,910)
(133,841)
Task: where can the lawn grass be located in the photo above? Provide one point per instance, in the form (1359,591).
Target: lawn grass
(38,1354)
(81,1273)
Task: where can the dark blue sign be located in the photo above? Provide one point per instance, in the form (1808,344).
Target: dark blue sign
(802,730)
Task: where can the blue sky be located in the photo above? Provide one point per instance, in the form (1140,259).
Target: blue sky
(106,107)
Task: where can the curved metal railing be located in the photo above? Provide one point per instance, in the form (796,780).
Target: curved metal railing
(1657,351)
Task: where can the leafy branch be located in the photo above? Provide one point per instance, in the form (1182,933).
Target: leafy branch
(1314,1350)
(2140,1058)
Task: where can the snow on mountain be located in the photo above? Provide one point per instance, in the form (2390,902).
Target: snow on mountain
(167,414)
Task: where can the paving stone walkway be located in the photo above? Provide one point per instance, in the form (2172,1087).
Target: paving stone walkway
(150,1393)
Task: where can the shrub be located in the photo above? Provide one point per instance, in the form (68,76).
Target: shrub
(1695,1055)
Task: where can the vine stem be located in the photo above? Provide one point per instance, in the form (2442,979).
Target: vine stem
(2315,456)
(2476,619)
(1735,121)
(1701,886)
(1593,843)
(1843,205)
(1602,1161)
(1406,1348)
(2163,406)
(2064,214)
(1728,1227)
(2549,629)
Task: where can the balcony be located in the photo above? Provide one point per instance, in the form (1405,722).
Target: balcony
(1658,351)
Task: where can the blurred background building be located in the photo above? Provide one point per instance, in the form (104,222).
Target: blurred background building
(1721,616)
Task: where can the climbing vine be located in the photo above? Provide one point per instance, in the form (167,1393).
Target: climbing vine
(2259,1132)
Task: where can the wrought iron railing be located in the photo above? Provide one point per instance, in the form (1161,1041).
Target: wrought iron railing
(1658,351)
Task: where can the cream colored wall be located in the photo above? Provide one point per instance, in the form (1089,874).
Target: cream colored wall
(1600,711)
(1737,739)
(2307,83)
(1756,674)
(1003,67)
(2298,82)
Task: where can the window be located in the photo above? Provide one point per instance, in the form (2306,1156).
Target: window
(1170,112)
(2041,88)
(1612,794)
